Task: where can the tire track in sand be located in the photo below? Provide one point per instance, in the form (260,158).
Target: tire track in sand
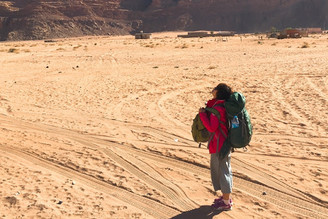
(290,202)
(302,117)
(322,99)
(276,192)
(144,172)
(256,173)
(129,163)
(151,207)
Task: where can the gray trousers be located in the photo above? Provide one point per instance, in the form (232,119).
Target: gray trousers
(221,173)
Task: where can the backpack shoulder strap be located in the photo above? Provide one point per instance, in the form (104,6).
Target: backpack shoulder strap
(216,112)
(219,104)
(218,115)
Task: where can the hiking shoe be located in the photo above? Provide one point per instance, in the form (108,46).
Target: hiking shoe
(221,206)
(217,200)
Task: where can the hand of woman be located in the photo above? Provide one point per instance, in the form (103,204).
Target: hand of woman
(202,110)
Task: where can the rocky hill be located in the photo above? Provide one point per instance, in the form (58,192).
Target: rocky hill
(40,19)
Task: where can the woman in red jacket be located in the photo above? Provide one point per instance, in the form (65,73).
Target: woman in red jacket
(221,173)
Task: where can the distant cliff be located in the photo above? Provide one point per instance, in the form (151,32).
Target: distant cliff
(40,19)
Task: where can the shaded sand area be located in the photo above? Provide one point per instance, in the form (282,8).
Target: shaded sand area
(99,127)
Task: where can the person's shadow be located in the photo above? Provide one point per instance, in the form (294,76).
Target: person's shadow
(203,212)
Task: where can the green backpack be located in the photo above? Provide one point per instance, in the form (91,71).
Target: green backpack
(240,128)
(199,132)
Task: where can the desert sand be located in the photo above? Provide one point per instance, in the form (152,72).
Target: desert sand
(99,127)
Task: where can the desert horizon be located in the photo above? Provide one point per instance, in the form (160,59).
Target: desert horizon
(100,126)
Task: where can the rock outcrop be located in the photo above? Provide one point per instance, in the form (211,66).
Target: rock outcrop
(40,19)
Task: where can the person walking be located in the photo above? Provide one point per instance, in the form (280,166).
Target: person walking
(221,173)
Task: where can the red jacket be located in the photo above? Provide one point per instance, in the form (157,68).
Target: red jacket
(211,123)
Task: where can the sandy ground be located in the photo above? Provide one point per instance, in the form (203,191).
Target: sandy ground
(99,127)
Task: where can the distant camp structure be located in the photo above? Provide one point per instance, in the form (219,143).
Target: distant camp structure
(142,35)
(207,34)
(294,33)
(314,30)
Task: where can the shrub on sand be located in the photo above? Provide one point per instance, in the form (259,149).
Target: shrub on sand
(76,47)
(305,45)
(13,50)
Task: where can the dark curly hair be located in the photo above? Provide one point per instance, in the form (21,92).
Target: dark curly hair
(223,91)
